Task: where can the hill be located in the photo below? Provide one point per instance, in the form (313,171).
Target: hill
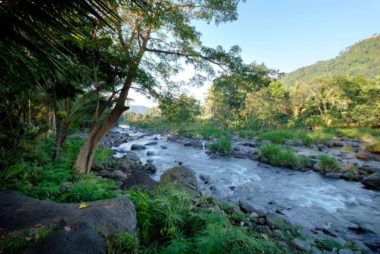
(362,58)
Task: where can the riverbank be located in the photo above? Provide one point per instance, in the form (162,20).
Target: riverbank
(304,198)
(138,214)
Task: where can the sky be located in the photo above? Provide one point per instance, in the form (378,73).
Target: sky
(289,34)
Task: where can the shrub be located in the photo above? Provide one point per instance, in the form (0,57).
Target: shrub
(90,188)
(123,242)
(276,156)
(222,145)
(328,163)
(283,157)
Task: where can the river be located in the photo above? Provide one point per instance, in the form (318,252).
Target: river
(304,198)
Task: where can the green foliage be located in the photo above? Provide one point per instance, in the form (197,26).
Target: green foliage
(37,175)
(18,241)
(178,110)
(173,221)
(123,242)
(283,157)
(328,163)
(225,239)
(102,153)
(222,145)
(90,188)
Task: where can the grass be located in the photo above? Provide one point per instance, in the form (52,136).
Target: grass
(328,163)
(173,221)
(18,241)
(222,145)
(275,155)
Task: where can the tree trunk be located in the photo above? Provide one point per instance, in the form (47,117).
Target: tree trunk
(98,131)
(58,127)
(87,151)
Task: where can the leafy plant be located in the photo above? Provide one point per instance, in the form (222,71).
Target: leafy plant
(222,145)
(328,163)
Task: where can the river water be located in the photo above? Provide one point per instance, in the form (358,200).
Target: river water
(305,198)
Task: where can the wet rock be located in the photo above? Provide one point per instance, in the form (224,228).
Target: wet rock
(248,144)
(164,147)
(317,167)
(150,168)
(359,229)
(137,147)
(105,216)
(151,143)
(204,179)
(83,240)
(276,221)
(363,155)
(335,175)
(302,245)
(181,175)
(149,153)
(372,181)
(188,144)
(373,244)
(246,207)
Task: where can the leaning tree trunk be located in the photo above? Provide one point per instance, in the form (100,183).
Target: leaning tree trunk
(98,131)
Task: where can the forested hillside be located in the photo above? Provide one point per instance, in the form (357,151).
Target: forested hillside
(362,58)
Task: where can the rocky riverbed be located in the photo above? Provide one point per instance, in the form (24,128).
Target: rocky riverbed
(326,207)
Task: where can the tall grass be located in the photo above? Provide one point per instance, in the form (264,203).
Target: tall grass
(282,157)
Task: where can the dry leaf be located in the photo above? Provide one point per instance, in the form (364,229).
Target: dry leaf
(28,238)
(83,205)
(67,228)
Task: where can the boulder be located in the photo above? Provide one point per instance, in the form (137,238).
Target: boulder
(372,181)
(363,155)
(138,178)
(181,175)
(277,221)
(83,240)
(164,147)
(105,216)
(335,175)
(248,208)
(151,143)
(149,153)
(137,147)
(150,168)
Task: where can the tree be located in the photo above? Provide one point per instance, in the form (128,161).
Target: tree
(228,93)
(179,110)
(151,41)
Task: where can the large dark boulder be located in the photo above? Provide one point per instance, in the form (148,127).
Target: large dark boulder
(140,178)
(83,240)
(182,176)
(105,216)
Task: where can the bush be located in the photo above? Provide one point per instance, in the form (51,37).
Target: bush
(222,145)
(283,157)
(123,242)
(90,188)
(328,163)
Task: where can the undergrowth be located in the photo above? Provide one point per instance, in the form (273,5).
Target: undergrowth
(222,145)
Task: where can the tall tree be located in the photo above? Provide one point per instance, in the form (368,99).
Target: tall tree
(152,41)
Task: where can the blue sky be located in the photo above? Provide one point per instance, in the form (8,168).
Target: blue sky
(288,34)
